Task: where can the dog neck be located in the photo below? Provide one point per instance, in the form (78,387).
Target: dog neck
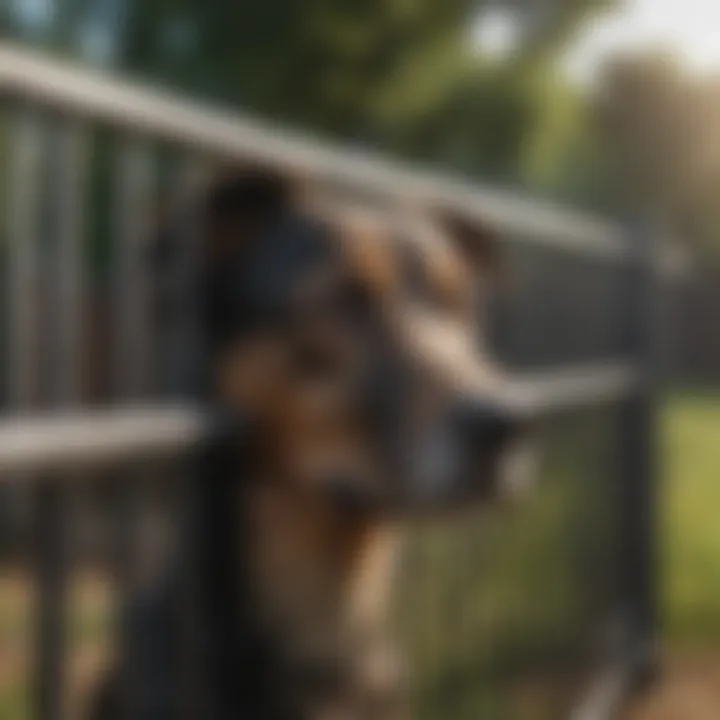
(322,578)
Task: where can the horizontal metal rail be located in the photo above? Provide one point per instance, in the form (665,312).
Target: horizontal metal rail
(575,387)
(72,441)
(132,107)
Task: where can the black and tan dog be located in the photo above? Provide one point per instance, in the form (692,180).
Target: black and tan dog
(347,334)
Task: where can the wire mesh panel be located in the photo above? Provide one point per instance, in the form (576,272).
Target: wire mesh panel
(559,308)
(508,612)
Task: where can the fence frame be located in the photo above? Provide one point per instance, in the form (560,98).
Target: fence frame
(70,441)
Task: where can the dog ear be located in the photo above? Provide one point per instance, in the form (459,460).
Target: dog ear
(477,241)
(228,212)
(212,223)
(240,204)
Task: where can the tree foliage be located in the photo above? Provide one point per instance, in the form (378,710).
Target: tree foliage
(404,75)
(659,127)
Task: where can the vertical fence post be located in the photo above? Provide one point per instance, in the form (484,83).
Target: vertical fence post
(132,353)
(23,184)
(189,374)
(67,184)
(640,463)
(61,358)
(23,334)
(20,274)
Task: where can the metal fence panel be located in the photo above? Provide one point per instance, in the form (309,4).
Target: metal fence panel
(501,614)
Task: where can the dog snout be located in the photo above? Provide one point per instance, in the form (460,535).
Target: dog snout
(489,425)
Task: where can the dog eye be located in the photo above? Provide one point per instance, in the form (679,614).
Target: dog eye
(454,302)
(450,304)
(316,361)
(355,301)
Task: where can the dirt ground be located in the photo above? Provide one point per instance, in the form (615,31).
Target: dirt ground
(687,689)
(88,645)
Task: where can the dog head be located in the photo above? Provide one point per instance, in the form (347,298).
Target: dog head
(349,334)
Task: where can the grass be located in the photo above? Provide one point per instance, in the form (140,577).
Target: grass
(690,520)
(525,591)
(496,610)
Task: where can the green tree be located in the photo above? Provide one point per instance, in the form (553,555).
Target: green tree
(659,127)
(401,75)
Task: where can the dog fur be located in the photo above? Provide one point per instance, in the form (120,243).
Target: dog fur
(342,330)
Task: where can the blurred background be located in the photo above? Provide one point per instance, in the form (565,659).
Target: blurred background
(607,105)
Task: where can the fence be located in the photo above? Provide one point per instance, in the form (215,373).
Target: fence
(691,353)
(497,609)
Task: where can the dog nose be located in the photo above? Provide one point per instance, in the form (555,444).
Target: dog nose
(488,423)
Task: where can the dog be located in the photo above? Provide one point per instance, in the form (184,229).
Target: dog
(346,334)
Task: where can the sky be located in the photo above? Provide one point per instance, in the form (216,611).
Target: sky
(689,27)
